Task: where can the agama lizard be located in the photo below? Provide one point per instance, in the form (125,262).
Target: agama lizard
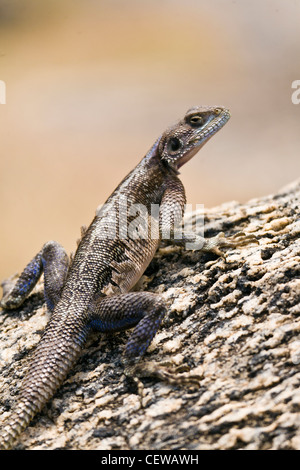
(92,291)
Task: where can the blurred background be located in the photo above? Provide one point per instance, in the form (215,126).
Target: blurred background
(90,85)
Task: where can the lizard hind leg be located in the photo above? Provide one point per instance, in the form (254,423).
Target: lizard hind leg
(145,311)
(54,262)
(56,266)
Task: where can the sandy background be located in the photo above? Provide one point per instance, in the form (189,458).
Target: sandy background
(91,84)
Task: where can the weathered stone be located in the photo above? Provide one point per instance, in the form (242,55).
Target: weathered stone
(235,322)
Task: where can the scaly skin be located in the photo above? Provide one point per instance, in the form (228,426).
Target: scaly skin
(93,290)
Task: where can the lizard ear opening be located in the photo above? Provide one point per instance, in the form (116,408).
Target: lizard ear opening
(174,145)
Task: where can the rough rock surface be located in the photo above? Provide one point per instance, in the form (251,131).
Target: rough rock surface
(235,322)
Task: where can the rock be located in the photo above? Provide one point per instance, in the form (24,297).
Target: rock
(234,322)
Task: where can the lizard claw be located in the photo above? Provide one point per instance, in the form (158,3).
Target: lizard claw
(215,244)
(242,239)
(164,371)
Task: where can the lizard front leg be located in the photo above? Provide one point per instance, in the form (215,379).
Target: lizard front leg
(54,262)
(170,225)
(193,241)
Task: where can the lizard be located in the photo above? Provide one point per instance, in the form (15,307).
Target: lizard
(93,289)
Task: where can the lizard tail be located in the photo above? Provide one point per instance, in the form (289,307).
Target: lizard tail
(54,357)
(19,420)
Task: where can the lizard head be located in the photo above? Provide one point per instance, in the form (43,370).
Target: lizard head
(183,140)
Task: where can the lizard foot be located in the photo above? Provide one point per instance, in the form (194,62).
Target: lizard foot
(164,371)
(215,244)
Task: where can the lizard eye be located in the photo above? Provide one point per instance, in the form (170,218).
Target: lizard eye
(196,121)
(174,144)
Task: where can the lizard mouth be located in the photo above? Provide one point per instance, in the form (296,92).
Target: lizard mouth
(212,125)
